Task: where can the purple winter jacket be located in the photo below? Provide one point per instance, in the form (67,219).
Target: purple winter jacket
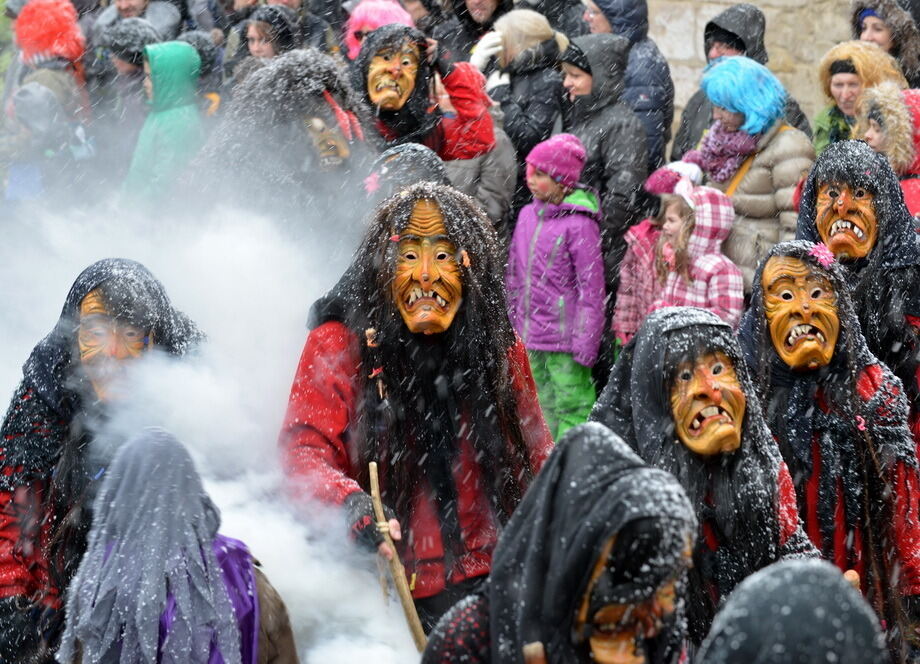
(555,277)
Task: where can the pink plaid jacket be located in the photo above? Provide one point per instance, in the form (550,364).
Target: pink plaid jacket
(716,283)
(638,287)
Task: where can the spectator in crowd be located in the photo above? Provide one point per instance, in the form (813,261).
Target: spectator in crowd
(845,72)
(472,19)
(555,281)
(593,67)
(161,14)
(638,287)
(528,85)
(314,31)
(738,30)
(648,88)
(689,264)
(889,121)
(891,27)
(754,156)
(172,132)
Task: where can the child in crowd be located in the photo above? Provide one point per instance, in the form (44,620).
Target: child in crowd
(690,268)
(172,132)
(555,281)
(637,290)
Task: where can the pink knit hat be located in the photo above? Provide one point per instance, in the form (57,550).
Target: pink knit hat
(562,157)
(663,180)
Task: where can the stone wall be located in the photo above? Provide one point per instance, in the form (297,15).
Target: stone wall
(798,34)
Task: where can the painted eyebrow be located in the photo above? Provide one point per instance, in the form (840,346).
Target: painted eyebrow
(780,278)
(436,238)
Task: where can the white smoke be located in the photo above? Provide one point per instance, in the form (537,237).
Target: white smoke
(248,285)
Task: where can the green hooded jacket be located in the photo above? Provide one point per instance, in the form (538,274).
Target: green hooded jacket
(172,133)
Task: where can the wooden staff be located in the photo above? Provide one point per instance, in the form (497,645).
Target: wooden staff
(396,566)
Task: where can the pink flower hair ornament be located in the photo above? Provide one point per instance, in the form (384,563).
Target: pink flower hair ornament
(822,254)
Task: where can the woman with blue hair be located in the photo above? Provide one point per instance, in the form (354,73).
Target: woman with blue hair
(753,155)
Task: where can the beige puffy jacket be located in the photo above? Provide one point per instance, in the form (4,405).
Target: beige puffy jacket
(764,214)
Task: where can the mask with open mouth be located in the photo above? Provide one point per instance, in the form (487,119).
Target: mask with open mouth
(330,147)
(105,344)
(427,285)
(846,219)
(391,76)
(800,306)
(708,405)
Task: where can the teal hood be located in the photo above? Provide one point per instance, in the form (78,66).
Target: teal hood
(174,70)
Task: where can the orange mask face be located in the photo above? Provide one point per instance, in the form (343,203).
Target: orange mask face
(427,286)
(328,142)
(708,405)
(391,76)
(846,220)
(617,628)
(105,344)
(801,310)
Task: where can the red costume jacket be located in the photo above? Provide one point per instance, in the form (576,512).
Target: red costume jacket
(320,456)
(905,485)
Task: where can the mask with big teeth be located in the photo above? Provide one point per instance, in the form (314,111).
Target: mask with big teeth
(105,344)
(708,404)
(617,631)
(801,310)
(427,285)
(329,144)
(391,76)
(846,220)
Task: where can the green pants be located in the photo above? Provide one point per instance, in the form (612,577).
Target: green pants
(564,388)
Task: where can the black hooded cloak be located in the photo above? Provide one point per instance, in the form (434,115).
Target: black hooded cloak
(794,612)
(46,433)
(862,439)
(414,122)
(885,285)
(592,488)
(744,517)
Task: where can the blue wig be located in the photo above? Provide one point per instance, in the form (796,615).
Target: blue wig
(740,85)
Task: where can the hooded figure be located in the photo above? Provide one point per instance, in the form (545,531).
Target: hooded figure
(158,583)
(681,364)
(295,126)
(882,264)
(555,574)
(614,143)
(402,166)
(840,419)
(162,15)
(904,36)
(794,612)
(413,363)
(741,27)
(889,120)
(648,89)
(114,313)
(392,76)
(172,133)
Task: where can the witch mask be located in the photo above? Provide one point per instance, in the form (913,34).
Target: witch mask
(708,404)
(800,306)
(617,628)
(427,286)
(846,219)
(391,76)
(329,145)
(105,344)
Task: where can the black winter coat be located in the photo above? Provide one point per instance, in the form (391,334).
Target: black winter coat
(614,141)
(748,23)
(457,36)
(649,90)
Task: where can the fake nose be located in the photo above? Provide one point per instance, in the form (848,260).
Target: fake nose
(844,202)
(708,386)
(395,68)
(427,272)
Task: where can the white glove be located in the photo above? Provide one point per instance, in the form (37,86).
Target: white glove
(489,45)
(497,78)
